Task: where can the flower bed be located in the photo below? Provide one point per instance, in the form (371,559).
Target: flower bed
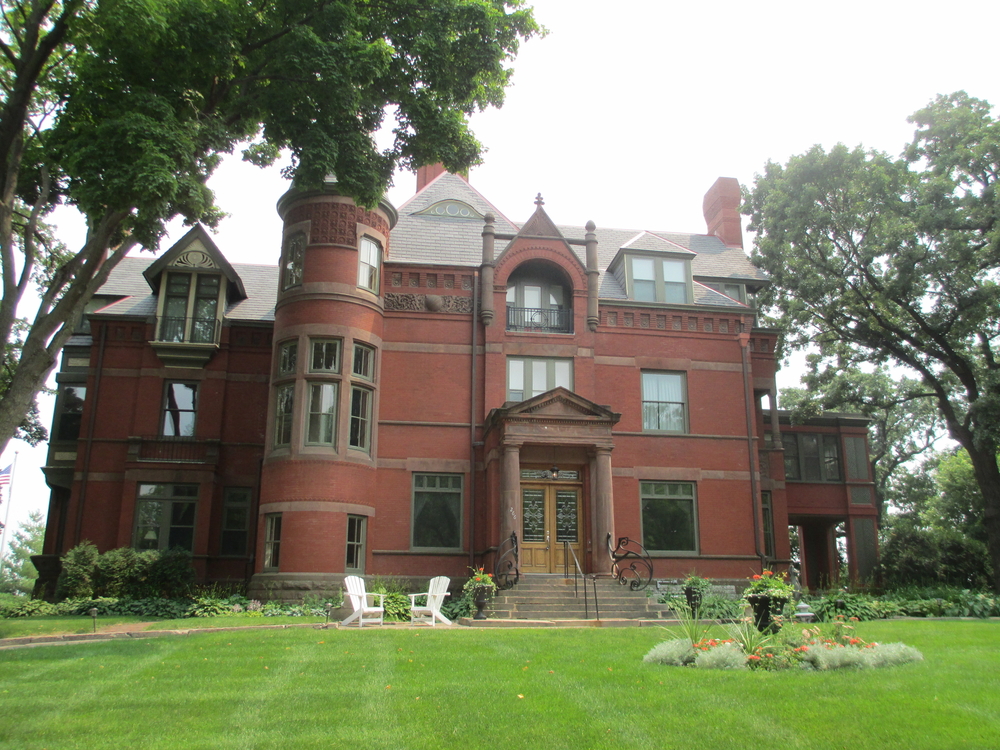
(744,647)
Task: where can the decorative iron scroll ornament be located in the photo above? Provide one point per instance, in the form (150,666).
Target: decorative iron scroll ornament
(630,563)
(506,572)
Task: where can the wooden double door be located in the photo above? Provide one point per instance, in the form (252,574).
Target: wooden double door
(550,517)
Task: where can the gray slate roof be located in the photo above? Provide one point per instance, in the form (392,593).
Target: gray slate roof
(126,282)
(424,239)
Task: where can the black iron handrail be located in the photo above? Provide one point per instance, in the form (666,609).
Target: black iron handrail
(628,561)
(507,561)
(577,570)
(555,319)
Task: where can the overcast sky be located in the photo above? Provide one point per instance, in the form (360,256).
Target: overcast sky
(627,114)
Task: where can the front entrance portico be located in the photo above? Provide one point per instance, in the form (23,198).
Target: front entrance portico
(563,430)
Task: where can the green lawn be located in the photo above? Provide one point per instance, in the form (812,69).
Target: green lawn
(469,688)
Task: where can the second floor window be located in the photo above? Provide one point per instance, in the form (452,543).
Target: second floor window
(664,401)
(361,418)
(322,423)
(811,457)
(288,355)
(180,409)
(531,376)
(284,403)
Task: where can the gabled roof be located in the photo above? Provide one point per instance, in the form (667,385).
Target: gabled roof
(195,250)
(430,239)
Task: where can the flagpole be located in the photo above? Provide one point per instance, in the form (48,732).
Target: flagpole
(10,501)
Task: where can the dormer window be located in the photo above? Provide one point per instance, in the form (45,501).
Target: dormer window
(652,279)
(190,308)
(734,291)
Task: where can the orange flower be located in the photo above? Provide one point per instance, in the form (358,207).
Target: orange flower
(756,577)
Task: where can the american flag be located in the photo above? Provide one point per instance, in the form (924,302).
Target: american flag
(5,475)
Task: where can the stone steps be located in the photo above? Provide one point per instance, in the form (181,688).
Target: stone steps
(553,598)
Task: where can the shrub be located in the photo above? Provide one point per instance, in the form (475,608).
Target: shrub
(397,602)
(725,656)
(677,652)
(859,606)
(122,573)
(79,566)
(171,574)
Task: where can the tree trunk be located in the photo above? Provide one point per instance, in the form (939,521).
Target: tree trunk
(984,464)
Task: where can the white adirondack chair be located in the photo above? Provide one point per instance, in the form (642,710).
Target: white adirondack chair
(364,612)
(437,590)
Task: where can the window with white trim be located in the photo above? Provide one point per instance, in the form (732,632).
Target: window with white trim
(369,260)
(364,362)
(190,307)
(655,279)
(288,357)
(322,421)
(664,401)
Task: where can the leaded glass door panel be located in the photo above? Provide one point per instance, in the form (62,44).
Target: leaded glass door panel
(550,517)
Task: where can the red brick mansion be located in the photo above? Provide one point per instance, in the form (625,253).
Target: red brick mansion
(410,390)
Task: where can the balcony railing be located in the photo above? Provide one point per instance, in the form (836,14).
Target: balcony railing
(535,319)
(173,450)
(188,330)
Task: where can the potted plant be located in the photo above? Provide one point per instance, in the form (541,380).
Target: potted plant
(695,588)
(480,588)
(767,594)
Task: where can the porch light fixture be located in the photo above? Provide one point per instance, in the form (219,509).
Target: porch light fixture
(552,473)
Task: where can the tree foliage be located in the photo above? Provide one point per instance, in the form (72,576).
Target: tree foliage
(884,261)
(17,573)
(123,108)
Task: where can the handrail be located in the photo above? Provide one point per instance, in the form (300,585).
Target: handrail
(630,550)
(555,320)
(507,561)
(567,551)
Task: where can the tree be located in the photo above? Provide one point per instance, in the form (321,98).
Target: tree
(905,422)
(894,262)
(122,109)
(17,574)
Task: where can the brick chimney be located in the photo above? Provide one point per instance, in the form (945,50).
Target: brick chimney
(721,208)
(427,174)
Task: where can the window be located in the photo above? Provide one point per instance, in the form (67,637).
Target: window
(321,426)
(437,511)
(736,291)
(361,416)
(190,308)
(669,516)
(180,407)
(811,457)
(856,455)
(291,268)
(659,279)
(272,541)
(235,521)
(325,355)
(355,561)
(530,376)
(71,398)
(364,362)
(164,516)
(767,514)
(288,357)
(664,401)
(283,415)
(537,301)
(369,253)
